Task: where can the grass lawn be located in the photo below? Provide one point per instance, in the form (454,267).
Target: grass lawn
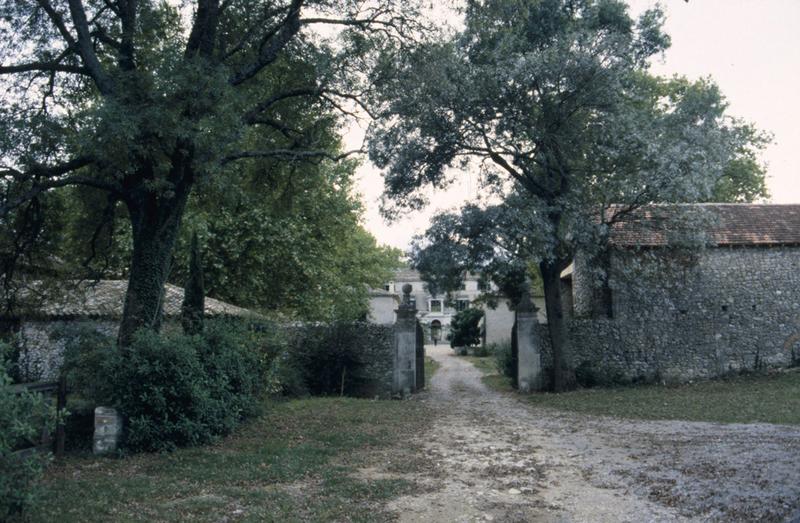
(431,366)
(298,462)
(767,398)
(485,364)
(754,398)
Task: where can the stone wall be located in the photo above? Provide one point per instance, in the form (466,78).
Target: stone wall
(42,348)
(42,344)
(382,307)
(497,323)
(317,347)
(723,310)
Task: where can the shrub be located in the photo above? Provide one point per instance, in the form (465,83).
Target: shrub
(481,351)
(178,390)
(336,358)
(506,360)
(465,328)
(89,360)
(236,369)
(21,419)
(161,389)
(172,389)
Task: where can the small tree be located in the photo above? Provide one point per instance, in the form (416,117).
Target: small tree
(194,296)
(465,330)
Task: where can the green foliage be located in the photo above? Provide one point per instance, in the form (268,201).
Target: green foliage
(465,328)
(349,358)
(177,390)
(22,417)
(89,364)
(506,360)
(129,113)
(173,389)
(481,351)
(288,243)
(467,241)
(194,297)
(554,102)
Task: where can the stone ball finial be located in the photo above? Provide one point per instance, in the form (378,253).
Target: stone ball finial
(407,288)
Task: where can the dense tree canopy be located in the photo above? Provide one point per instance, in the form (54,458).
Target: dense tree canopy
(144,101)
(554,102)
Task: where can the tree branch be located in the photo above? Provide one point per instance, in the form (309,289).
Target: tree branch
(44,67)
(291,154)
(203,34)
(269,53)
(85,48)
(51,174)
(58,21)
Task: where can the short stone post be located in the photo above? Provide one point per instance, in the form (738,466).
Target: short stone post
(405,346)
(529,357)
(107,430)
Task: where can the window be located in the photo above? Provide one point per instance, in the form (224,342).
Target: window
(462,305)
(435,306)
(463,286)
(483,285)
(387,287)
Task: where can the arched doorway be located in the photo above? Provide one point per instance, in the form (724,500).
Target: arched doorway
(436,331)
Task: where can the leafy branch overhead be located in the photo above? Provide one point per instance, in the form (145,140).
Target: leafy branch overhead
(553,102)
(148,101)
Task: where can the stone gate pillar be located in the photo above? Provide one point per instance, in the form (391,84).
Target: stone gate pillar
(405,346)
(529,357)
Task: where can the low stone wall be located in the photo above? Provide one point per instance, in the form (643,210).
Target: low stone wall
(42,344)
(677,351)
(365,349)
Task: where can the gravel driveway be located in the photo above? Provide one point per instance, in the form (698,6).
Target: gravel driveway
(491,457)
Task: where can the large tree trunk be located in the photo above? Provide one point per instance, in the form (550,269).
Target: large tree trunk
(563,377)
(155,220)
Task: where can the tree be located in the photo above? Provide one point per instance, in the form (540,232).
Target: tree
(292,245)
(194,294)
(465,330)
(144,101)
(553,99)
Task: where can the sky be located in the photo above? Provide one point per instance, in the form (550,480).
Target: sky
(751,48)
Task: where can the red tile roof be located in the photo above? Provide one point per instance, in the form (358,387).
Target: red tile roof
(726,224)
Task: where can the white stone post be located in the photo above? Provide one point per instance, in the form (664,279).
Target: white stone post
(107,430)
(529,354)
(405,347)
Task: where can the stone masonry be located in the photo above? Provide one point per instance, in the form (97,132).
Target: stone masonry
(734,308)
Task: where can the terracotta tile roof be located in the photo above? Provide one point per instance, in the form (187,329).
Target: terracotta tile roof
(733,224)
(105,299)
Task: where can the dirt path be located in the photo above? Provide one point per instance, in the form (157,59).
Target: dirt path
(490,457)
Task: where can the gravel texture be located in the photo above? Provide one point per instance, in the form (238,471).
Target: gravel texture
(491,457)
